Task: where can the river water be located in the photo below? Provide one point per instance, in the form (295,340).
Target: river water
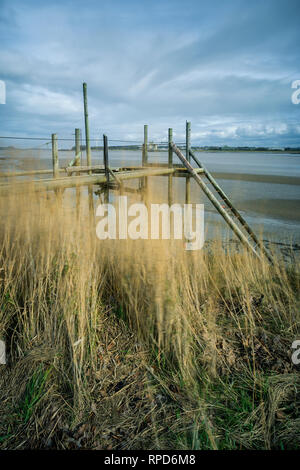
(265,187)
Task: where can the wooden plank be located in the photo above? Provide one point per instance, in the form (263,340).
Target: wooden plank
(84,168)
(28,173)
(182,172)
(164,165)
(145,172)
(73,181)
(93,168)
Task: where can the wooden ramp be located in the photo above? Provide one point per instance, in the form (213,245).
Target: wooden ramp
(229,213)
(106,177)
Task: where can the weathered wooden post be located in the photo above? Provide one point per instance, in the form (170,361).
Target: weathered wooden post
(106,167)
(170,164)
(144,181)
(87,130)
(77,148)
(88,149)
(105,157)
(145,146)
(188,157)
(55,156)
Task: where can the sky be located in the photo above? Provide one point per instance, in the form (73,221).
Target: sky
(226,66)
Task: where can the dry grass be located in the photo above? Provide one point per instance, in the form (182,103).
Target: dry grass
(139,344)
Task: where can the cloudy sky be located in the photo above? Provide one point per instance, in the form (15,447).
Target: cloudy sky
(227,66)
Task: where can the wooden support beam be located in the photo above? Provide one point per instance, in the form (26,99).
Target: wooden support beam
(188,144)
(115,177)
(123,189)
(91,203)
(55,156)
(85,169)
(230,205)
(77,148)
(144,181)
(170,150)
(97,169)
(215,202)
(105,157)
(163,165)
(76,161)
(183,173)
(73,181)
(106,194)
(224,197)
(12,174)
(170,165)
(145,146)
(73,162)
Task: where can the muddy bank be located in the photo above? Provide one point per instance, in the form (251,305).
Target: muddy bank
(287,209)
(272,179)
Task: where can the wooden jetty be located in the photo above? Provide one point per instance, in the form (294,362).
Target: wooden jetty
(75,175)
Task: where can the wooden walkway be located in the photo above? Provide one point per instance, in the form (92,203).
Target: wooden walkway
(76,175)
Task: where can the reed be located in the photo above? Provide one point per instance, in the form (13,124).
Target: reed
(140,344)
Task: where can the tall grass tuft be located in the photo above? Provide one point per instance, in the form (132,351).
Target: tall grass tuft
(123,344)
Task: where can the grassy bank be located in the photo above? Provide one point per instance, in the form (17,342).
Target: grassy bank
(139,344)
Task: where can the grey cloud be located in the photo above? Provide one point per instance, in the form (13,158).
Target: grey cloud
(160,65)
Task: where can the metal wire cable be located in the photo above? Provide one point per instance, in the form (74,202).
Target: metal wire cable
(67,139)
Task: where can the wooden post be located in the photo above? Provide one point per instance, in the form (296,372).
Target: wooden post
(77,148)
(91,203)
(106,195)
(144,181)
(187,145)
(87,130)
(55,156)
(145,147)
(105,157)
(88,152)
(170,164)
(188,140)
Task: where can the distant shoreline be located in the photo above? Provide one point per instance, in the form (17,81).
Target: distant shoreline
(288,151)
